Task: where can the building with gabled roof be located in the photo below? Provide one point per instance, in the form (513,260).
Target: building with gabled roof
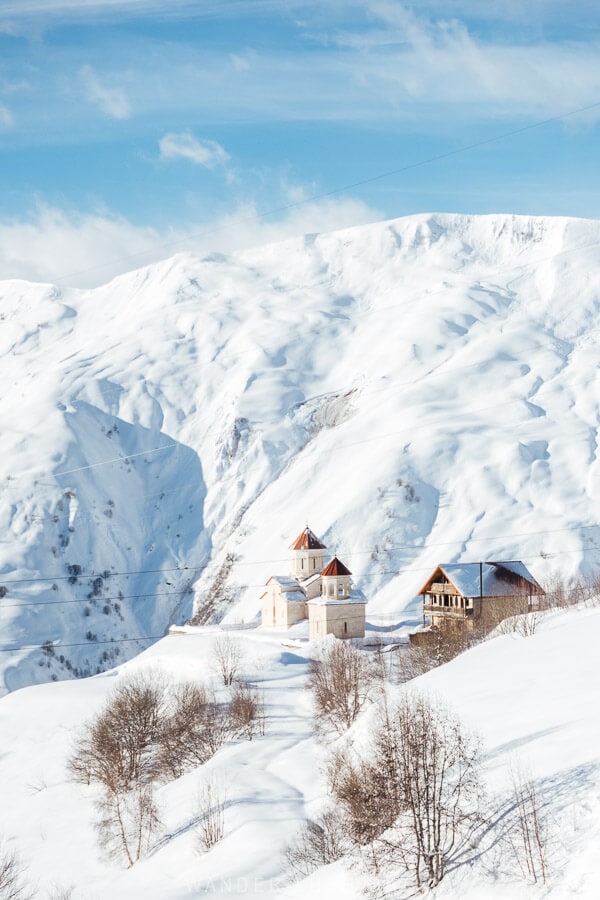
(479,594)
(283,602)
(322,593)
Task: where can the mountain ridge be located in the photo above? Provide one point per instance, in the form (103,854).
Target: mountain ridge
(417,389)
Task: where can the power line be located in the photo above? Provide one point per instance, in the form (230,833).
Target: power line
(106,462)
(48,645)
(57,644)
(268,561)
(186,568)
(465,148)
(92,600)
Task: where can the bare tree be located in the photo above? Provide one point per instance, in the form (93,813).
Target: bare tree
(365,791)
(149,731)
(212,798)
(560,594)
(341,678)
(119,747)
(527,833)
(195,726)
(227,658)
(247,710)
(318,843)
(127,821)
(434,763)
(60,892)
(412,800)
(120,750)
(12,881)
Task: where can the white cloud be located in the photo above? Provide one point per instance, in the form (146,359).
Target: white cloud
(78,9)
(184,145)
(239,63)
(6,117)
(111,101)
(410,61)
(84,250)
(385,64)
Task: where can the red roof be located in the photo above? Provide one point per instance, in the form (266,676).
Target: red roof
(307,540)
(336,567)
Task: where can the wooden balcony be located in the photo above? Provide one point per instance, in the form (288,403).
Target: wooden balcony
(451,612)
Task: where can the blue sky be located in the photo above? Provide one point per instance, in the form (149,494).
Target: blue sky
(130,129)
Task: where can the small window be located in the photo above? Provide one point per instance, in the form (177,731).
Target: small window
(302,564)
(314,564)
(345,628)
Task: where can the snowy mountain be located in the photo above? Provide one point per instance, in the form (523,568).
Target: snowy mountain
(421,390)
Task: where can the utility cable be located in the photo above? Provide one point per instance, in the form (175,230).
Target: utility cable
(465,148)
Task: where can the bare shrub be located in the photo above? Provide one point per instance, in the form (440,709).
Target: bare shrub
(212,799)
(435,767)
(591,591)
(318,843)
(12,879)
(246,711)
(413,661)
(148,731)
(341,678)
(119,747)
(227,658)
(127,821)
(560,594)
(195,726)
(413,800)
(365,791)
(527,833)
(385,660)
(435,648)
(525,624)
(60,892)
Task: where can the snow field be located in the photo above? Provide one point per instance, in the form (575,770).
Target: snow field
(533,700)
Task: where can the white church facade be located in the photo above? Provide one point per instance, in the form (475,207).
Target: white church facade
(319,592)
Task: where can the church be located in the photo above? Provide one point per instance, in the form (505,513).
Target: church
(319,592)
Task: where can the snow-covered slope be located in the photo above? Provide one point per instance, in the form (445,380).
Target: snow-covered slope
(529,711)
(420,390)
